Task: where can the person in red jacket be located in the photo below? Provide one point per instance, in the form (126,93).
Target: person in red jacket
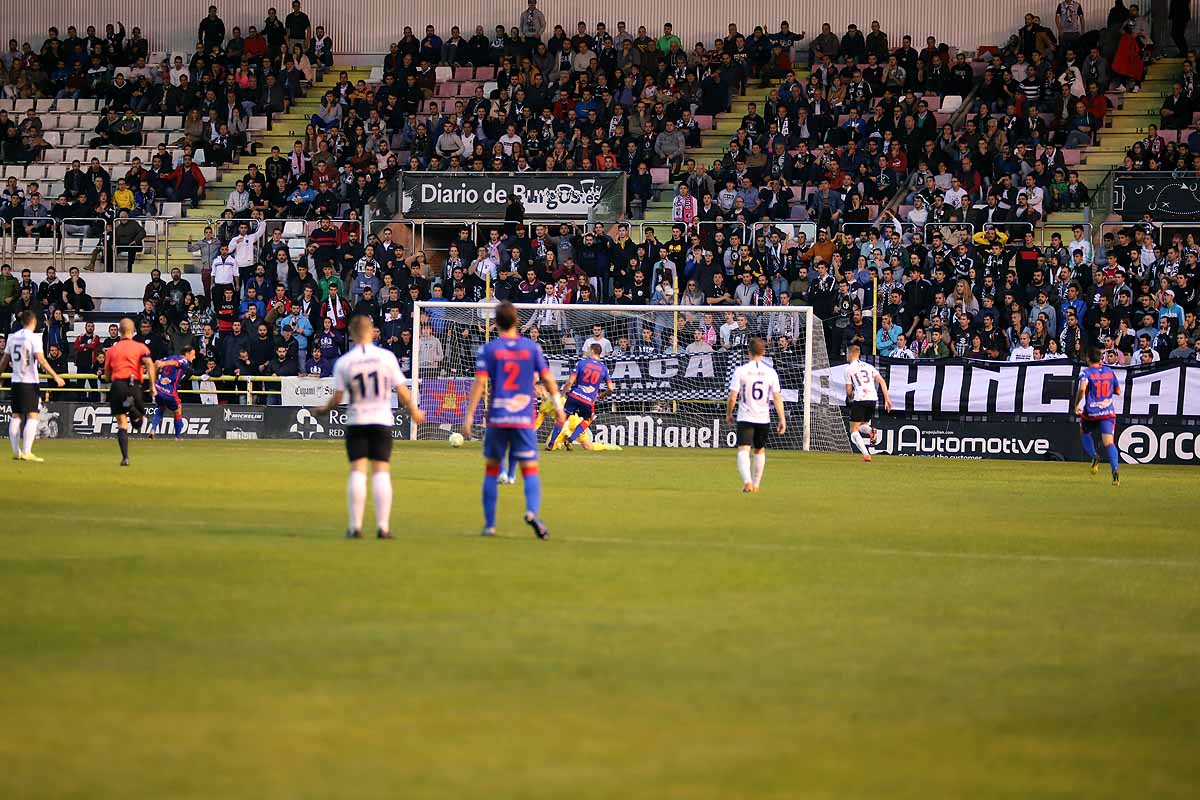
(186,182)
(255,46)
(334,309)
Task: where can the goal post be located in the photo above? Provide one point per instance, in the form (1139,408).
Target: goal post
(671,366)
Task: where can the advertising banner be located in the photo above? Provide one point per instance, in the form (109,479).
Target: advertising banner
(302,423)
(92,420)
(483,195)
(1140,441)
(1044,388)
(305,391)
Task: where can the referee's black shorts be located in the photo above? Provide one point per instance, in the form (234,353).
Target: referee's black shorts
(862,410)
(373,442)
(24,398)
(753,434)
(125,397)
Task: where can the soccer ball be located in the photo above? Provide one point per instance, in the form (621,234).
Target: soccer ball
(456,439)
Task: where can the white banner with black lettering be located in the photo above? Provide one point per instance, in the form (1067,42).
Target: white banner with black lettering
(305,391)
(1046,388)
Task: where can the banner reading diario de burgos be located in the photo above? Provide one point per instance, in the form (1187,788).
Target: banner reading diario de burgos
(484,195)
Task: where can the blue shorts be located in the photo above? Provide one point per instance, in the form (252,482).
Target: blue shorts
(166,401)
(573,406)
(1106,426)
(522,441)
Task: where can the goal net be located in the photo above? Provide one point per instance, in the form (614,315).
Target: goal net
(671,366)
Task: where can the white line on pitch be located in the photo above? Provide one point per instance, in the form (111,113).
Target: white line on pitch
(889,552)
(886,552)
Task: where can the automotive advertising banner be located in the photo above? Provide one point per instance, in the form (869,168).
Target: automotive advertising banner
(1140,440)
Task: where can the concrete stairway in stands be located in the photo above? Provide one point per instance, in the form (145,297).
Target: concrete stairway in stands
(1126,126)
(713,144)
(285,129)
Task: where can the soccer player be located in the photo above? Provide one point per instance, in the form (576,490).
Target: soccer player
(508,476)
(583,392)
(171,370)
(546,408)
(125,366)
(23,351)
(861,379)
(1098,385)
(367,375)
(511,365)
(752,389)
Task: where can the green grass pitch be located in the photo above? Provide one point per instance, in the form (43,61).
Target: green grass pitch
(196,627)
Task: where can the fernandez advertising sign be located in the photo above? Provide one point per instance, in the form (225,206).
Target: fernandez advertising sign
(483,195)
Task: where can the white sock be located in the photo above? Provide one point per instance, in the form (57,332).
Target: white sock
(743,459)
(30,433)
(356,498)
(857,440)
(381,494)
(14,435)
(760,463)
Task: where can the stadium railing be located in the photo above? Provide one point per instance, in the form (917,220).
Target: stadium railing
(49,391)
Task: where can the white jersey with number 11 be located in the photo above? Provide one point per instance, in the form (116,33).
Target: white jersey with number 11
(367,375)
(755,384)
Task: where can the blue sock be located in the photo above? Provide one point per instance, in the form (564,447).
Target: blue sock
(179,427)
(157,419)
(512,465)
(575,434)
(491,490)
(533,493)
(554,435)
(1089,447)
(1113,455)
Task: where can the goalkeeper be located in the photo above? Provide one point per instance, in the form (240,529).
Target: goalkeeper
(546,409)
(583,391)
(574,422)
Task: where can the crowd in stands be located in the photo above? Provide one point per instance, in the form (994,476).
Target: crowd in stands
(968,297)
(848,136)
(261,70)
